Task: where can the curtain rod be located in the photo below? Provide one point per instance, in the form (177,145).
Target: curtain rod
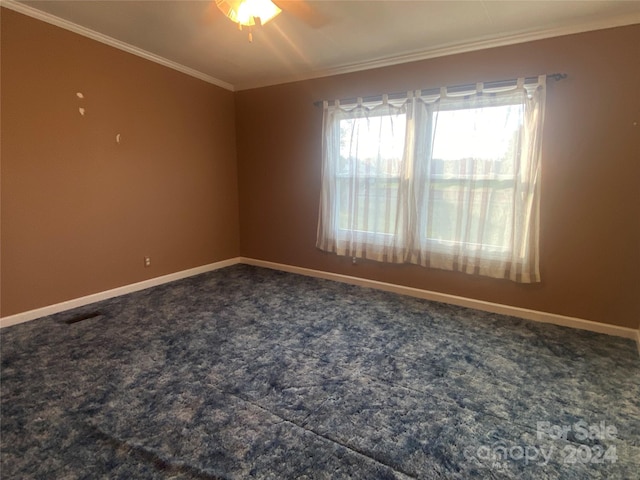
(454,88)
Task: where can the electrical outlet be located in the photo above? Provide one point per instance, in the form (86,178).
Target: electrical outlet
(147,261)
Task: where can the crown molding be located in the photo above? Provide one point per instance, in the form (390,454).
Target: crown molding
(453,49)
(112,42)
(406,57)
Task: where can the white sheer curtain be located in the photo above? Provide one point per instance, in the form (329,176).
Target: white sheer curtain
(449,181)
(365,181)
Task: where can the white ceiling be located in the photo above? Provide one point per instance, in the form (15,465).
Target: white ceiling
(197,38)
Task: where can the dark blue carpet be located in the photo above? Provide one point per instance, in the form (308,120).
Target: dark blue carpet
(252,373)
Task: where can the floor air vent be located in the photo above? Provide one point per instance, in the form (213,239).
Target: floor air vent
(81,317)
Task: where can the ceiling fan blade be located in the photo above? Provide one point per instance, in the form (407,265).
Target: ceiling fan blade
(211,14)
(304,12)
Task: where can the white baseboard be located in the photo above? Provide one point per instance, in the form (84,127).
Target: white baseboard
(96,297)
(519,312)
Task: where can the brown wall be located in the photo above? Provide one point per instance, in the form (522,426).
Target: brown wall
(80,212)
(590,238)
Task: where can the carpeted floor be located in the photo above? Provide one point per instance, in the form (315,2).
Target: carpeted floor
(252,373)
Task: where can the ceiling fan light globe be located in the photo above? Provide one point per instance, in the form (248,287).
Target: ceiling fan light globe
(244,12)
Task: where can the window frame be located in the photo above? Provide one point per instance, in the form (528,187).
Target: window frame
(379,238)
(475,243)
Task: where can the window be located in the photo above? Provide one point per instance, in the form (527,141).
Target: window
(448,181)
(369,174)
(472,179)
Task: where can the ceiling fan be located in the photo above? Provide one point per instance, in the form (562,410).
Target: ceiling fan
(250,13)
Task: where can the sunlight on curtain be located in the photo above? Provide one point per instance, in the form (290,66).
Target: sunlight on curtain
(449,181)
(365,182)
